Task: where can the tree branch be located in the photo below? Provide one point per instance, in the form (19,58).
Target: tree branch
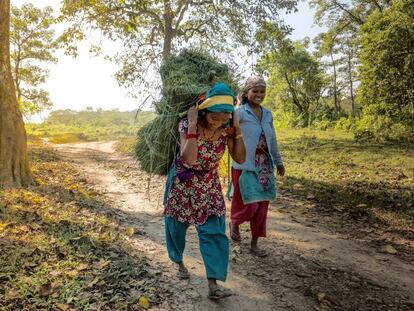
(352,15)
(180,12)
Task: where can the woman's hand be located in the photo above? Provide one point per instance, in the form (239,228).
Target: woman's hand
(235,120)
(192,116)
(280,170)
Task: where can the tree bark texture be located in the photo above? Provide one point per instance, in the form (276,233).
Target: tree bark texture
(168,30)
(14,164)
(351,84)
(335,86)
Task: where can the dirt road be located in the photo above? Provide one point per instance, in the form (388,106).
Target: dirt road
(310,266)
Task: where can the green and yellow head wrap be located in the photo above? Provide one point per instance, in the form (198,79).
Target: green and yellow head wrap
(220,98)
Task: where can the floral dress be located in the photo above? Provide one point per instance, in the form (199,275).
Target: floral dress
(262,159)
(196,192)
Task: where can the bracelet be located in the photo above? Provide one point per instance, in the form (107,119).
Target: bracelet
(238,136)
(192,135)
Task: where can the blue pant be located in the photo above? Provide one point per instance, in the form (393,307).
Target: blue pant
(214,245)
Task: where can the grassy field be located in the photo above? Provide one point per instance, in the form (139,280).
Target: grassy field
(61,134)
(360,177)
(76,126)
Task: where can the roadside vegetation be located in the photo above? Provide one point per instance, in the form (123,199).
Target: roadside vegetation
(63,248)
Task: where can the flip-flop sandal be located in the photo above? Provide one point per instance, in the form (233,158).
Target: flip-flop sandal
(234,236)
(259,253)
(219,293)
(183,274)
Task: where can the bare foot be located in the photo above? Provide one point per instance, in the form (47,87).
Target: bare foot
(258,252)
(255,250)
(234,233)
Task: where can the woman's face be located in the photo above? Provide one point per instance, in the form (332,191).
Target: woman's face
(217,119)
(256,95)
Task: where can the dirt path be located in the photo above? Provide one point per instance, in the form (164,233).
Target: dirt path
(309,266)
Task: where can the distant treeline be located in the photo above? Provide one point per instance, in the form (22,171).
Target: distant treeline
(98,117)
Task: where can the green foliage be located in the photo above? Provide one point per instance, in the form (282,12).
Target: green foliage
(32,42)
(185,76)
(336,50)
(387,91)
(344,124)
(383,122)
(377,38)
(296,83)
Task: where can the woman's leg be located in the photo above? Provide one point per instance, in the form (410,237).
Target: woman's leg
(258,227)
(214,248)
(239,212)
(175,233)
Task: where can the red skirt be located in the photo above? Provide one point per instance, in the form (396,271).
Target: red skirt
(255,213)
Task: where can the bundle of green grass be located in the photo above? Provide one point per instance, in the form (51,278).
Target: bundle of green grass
(184,77)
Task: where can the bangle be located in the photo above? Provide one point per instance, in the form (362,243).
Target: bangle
(192,135)
(238,136)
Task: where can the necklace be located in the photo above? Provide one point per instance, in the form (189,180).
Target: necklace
(205,136)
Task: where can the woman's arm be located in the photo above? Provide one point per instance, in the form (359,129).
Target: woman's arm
(235,143)
(276,154)
(188,141)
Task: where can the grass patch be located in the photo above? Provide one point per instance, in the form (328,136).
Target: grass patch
(68,126)
(349,175)
(66,138)
(62,250)
(126,145)
(61,134)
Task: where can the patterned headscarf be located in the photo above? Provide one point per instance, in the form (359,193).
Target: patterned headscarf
(252,82)
(220,98)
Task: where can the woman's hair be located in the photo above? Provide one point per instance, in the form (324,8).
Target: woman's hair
(243,99)
(202,117)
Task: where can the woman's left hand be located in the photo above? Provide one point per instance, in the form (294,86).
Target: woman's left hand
(280,170)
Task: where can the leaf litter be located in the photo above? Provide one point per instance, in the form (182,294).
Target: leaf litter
(61,249)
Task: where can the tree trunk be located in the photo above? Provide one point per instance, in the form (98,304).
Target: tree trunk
(335,86)
(292,91)
(351,84)
(168,30)
(14,164)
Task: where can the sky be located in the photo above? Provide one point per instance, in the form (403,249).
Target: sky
(75,83)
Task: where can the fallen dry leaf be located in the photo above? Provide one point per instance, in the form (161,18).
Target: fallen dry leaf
(321,297)
(143,302)
(130,231)
(61,306)
(388,249)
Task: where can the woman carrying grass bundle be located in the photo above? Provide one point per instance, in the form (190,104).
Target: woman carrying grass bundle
(254,181)
(193,191)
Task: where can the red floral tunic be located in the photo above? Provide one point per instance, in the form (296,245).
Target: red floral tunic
(195,192)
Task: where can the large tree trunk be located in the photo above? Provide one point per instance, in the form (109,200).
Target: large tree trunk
(168,30)
(14,165)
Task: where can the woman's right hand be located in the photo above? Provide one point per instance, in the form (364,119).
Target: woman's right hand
(192,116)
